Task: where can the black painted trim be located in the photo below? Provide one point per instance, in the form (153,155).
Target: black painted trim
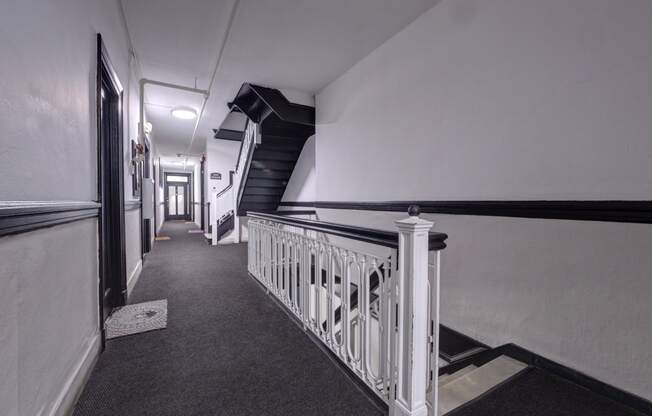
(297,212)
(436,241)
(519,353)
(258,102)
(16,218)
(307,204)
(534,360)
(608,211)
(110,189)
(202,185)
(228,134)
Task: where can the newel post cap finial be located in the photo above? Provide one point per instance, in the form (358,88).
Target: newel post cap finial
(414,222)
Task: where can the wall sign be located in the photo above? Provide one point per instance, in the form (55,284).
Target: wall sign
(216,175)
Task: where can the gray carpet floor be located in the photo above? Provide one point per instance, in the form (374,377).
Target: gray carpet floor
(228,348)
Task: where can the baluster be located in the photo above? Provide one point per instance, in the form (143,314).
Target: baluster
(336,259)
(317,286)
(354,353)
(363,313)
(286,269)
(344,307)
(374,377)
(307,260)
(330,297)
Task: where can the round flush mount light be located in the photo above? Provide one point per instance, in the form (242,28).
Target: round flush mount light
(184,113)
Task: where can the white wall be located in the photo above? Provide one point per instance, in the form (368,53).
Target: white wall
(302,183)
(221,156)
(498,99)
(48,152)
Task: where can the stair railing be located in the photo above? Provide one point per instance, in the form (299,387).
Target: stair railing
(227,200)
(250,139)
(369,295)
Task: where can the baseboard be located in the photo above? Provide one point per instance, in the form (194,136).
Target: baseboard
(133,278)
(73,387)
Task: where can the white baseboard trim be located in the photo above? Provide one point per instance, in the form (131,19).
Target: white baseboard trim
(72,388)
(133,278)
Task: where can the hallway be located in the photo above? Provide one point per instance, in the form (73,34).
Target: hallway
(228,348)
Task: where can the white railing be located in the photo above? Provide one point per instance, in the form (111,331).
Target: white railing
(373,311)
(227,200)
(250,139)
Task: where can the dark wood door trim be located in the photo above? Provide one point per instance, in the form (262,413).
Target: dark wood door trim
(201,192)
(187,200)
(111,224)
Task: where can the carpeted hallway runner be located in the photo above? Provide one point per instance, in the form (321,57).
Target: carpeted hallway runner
(228,348)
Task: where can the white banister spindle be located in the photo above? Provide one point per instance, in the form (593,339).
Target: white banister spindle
(411,355)
(383,334)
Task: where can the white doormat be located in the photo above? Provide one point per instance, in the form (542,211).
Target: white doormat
(195,231)
(137,318)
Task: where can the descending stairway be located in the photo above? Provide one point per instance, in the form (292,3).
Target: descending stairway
(475,380)
(470,382)
(510,380)
(284,129)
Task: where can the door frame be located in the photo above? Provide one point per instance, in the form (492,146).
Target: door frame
(188,201)
(110,190)
(201,191)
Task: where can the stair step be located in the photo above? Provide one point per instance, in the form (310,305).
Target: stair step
(264,154)
(256,206)
(269,174)
(281,144)
(272,164)
(270,199)
(456,392)
(454,346)
(267,183)
(261,190)
(447,378)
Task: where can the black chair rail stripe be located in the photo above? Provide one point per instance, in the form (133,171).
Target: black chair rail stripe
(607,211)
(20,217)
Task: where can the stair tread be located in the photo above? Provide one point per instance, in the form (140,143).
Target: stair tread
(448,378)
(476,382)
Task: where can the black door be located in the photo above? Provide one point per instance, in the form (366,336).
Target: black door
(177,197)
(113,282)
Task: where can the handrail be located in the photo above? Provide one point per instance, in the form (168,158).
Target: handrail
(227,187)
(244,137)
(250,136)
(436,241)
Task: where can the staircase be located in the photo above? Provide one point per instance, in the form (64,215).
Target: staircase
(284,128)
(510,380)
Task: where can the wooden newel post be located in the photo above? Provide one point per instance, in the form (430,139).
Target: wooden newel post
(411,352)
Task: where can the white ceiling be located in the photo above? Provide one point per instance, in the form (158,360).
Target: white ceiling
(299,45)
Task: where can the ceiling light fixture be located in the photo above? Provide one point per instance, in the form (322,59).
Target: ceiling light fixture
(184,113)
